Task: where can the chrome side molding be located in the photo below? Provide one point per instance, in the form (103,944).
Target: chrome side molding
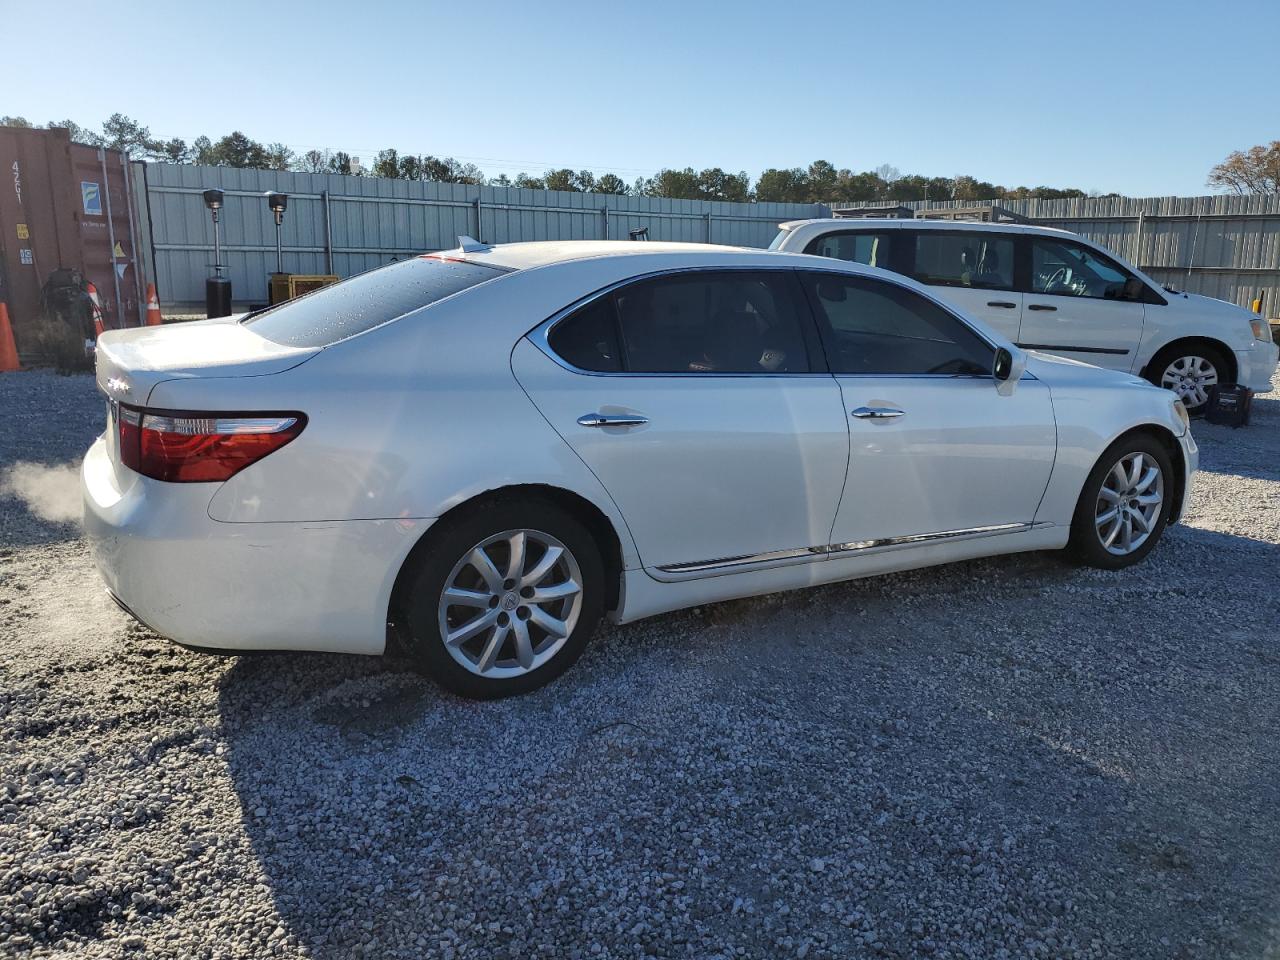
(830,550)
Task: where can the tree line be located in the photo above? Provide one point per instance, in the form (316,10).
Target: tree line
(1254,171)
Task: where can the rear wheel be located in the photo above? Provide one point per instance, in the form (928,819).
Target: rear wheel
(1189,371)
(504,599)
(1124,506)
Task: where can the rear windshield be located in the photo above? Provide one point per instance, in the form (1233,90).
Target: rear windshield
(366,300)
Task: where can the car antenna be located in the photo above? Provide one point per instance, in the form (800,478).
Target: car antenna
(470,244)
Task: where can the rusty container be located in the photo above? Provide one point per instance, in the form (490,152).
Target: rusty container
(65,221)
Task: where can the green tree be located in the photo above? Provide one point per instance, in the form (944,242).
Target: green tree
(20,122)
(674,184)
(449,170)
(560,180)
(121,133)
(170,151)
(386,164)
(716,184)
(77,133)
(612,183)
(233,150)
(280,157)
(526,182)
(783,186)
(340,163)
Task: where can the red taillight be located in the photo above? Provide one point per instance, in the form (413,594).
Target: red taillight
(199,447)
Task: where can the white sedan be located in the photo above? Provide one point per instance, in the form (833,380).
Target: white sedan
(486,450)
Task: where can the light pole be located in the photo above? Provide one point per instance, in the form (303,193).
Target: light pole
(217,289)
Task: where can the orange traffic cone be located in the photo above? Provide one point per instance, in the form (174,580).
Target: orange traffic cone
(153,307)
(8,349)
(97,308)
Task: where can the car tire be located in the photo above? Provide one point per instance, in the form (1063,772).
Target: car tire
(520,646)
(1189,370)
(1099,540)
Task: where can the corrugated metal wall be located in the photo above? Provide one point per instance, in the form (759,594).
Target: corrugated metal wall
(370,221)
(1226,247)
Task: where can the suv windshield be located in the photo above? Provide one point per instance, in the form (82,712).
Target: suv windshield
(366,300)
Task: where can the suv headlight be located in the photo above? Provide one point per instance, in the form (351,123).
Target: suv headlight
(1261,329)
(1180,411)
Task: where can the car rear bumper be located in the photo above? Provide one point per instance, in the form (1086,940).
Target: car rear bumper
(1257,365)
(239,586)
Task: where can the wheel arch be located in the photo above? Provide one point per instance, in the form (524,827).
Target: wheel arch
(1187,343)
(595,520)
(1166,438)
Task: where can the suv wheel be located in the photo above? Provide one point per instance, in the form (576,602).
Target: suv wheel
(1189,372)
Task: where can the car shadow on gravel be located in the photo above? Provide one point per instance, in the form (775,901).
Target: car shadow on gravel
(1011,753)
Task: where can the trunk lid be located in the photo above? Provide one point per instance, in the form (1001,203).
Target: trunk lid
(131,362)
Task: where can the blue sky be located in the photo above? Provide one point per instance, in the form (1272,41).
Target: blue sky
(1137,97)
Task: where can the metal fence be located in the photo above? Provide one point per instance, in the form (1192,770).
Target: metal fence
(1226,247)
(344,225)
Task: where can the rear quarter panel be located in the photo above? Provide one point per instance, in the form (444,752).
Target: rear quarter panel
(405,421)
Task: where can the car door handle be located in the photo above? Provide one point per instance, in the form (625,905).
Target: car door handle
(611,420)
(1001,303)
(877,413)
(1040,306)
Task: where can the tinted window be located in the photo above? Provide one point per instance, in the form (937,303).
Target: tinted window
(366,300)
(869,248)
(588,339)
(714,322)
(1069,270)
(983,260)
(871,326)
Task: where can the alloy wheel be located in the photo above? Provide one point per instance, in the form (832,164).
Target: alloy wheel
(510,603)
(1190,378)
(1129,503)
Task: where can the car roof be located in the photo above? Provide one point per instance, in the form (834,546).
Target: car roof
(538,253)
(898,223)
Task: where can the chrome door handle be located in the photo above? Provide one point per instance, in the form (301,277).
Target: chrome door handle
(877,413)
(611,420)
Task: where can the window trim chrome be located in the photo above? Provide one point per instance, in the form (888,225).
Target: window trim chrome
(779,558)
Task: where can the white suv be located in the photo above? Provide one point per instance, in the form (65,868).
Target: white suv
(1055,291)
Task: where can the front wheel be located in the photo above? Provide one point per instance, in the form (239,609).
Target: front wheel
(504,598)
(1124,506)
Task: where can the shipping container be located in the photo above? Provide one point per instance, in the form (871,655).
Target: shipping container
(66,230)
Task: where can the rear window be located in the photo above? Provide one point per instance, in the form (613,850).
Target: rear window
(780,239)
(366,300)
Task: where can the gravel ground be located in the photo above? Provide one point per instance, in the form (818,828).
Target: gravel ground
(1005,758)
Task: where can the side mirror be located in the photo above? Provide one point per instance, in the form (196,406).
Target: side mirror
(1007,369)
(1134,289)
(1003,365)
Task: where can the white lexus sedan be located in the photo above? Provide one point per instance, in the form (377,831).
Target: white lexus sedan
(486,450)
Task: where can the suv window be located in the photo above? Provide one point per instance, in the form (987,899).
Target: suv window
(712,322)
(978,259)
(588,339)
(366,300)
(856,247)
(870,326)
(1065,269)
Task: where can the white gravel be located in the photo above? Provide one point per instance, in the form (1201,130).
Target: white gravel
(1007,758)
